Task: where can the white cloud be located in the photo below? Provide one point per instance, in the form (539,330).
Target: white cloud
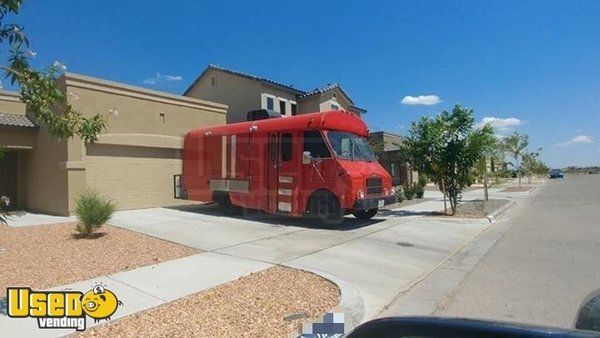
(425,100)
(500,124)
(579,139)
(162,78)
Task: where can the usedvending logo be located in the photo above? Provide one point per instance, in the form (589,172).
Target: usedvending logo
(62,309)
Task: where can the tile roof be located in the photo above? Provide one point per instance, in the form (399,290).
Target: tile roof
(250,76)
(15,120)
(325,89)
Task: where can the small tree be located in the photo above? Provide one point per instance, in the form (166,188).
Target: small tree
(490,151)
(532,165)
(93,210)
(45,101)
(515,145)
(446,148)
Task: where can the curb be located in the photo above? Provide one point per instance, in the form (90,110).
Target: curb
(498,214)
(351,301)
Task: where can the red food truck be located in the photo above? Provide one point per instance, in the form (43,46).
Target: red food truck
(317,164)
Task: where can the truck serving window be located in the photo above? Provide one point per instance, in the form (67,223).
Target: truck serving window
(314,142)
(286,147)
(350,146)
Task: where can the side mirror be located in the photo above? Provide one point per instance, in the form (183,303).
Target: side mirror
(306,157)
(588,317)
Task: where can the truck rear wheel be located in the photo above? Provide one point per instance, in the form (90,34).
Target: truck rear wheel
(365,214)
(326,208)
(225,205)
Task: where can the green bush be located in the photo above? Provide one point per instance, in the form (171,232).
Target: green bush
(93,210)
(399,194)
(423,180)
(419,190)
(409,192)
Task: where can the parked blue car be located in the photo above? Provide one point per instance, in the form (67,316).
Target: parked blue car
(556,173)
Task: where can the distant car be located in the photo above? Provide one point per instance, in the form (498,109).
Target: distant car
(556,173)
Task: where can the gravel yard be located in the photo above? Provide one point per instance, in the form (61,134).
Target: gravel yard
(51,255)
(518,189)
(256,305)
(474,209)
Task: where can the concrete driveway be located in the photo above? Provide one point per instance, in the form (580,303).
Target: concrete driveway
(375,260)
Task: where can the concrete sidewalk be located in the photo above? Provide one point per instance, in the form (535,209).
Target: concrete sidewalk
(147,287)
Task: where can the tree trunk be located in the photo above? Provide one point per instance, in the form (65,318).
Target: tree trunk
(453,204)
(485,184)
(519,173)
(444,192)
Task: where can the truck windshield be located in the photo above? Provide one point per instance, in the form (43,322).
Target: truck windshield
(350,146)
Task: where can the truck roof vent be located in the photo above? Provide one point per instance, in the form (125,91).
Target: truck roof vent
(261,114)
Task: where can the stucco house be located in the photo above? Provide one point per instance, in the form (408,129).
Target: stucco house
(390,156)
(133,161)
(243,92)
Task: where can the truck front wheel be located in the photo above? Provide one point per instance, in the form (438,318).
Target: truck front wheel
(365,214)
(326,208)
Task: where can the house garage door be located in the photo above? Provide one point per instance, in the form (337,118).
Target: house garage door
(133,177)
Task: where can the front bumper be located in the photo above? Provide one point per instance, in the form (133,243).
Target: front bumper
(372,203)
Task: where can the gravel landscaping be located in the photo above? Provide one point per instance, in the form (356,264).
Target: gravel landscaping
(475,209)
(45,256)
(518,189)
(273,302)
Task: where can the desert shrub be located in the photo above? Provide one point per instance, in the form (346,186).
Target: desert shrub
(419,190)
(409,192)
(423,180)
(399,194)
(93,210)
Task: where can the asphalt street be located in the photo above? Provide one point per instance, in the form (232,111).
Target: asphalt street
(544,264)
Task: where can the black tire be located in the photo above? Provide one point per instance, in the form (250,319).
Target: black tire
(326,209)
(365,214)
(225,205)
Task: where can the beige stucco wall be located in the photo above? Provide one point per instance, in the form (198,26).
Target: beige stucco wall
(310,104)
(323,102)
(46,188)
(239,93)
(128,162)
(18,137)
(10,102)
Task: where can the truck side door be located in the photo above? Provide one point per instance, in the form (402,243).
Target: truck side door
(283,172)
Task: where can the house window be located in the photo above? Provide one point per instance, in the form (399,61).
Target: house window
(393,169)
(286,147)
(294,109)
(282,107)
(270,103)
(213,81)
(335,107)
(334,95)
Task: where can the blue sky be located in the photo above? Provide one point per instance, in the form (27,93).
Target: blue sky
(534,66)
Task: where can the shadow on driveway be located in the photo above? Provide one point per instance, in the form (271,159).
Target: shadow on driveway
(212,209)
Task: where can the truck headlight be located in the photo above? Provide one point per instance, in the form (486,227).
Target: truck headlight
(360,194)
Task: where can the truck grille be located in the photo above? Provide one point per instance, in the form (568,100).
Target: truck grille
(374,186)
